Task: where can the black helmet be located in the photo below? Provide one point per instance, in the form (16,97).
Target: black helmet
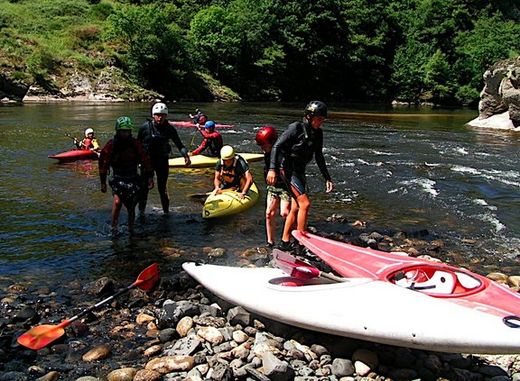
(316,108)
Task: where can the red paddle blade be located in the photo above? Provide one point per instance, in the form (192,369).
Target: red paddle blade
(293,266)
(40,336)
(148,277)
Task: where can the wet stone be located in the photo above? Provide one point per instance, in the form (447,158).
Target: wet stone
(143,318)
(26,314)
(211,334)
(123,374)
(276,369)
(239,336)
(98,353)
(167,334)
(154,349)
(147,375)
(13,376)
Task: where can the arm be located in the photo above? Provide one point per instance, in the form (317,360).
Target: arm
(200,148)
(174,136)
(322,165)
(216,182)
(104,165)
(249,181)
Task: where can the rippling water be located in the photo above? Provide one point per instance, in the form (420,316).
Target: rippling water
(398,170)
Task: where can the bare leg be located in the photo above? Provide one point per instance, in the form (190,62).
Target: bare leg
(290,221)
(270,220)
(116,209)
(303,212)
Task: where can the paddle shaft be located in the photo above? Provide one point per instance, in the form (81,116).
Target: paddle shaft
(66,322)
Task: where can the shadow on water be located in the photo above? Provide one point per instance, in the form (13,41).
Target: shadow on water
(408,170)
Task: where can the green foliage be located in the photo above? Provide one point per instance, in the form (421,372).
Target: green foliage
(153,46)
(412,50)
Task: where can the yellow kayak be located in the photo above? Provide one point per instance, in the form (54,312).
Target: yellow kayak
(202,161)
(229,202)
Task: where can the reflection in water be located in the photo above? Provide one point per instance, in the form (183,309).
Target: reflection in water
(398,170)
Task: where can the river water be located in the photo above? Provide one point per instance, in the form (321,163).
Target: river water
(412,170)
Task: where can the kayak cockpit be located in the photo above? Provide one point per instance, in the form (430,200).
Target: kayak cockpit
(435,280)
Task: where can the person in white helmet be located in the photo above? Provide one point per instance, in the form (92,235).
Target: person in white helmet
(232,172)
(155,135)
(88,142)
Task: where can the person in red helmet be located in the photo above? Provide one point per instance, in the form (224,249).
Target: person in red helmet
(291,153)
(212,140)
(277,194)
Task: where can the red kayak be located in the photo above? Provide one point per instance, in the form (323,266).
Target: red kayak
(434,279)
(75,154)
(184,124)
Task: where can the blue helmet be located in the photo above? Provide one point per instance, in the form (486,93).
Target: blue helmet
(209,125)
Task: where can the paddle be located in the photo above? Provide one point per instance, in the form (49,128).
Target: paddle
(74,139)
(40,336)
(299,269)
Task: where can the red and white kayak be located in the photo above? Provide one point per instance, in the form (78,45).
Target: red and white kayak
(361,308)
(75,154)
(437,280)
(190,124)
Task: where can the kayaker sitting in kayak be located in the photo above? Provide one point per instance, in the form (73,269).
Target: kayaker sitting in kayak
(277,195)
(290,155)
(199,118)
(89,142)
(232,172)
(211,142)
(124,154)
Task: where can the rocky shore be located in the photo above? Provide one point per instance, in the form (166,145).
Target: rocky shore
(180,331)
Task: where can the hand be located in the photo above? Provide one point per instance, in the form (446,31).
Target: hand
(187,161)
(103,188)
(150,183)
(329,186)
(241,195)
(271,177)
(190,153)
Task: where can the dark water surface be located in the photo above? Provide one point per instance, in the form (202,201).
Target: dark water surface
(398,170)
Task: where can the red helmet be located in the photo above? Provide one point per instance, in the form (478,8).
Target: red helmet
(266,135)
(202,119)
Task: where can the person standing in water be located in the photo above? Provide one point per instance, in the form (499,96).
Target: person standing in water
(291,153)
(277,195)
(124,154)
(155,135)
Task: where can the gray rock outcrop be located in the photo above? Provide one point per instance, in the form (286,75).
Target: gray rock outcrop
(499,105)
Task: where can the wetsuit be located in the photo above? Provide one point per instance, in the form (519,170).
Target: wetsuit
(212,142)
(155,139)
(124,157)
(293,150)
(231,176)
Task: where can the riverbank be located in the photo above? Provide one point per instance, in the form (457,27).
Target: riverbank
(179,331)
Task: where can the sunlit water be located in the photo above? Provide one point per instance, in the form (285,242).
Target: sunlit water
(397,170)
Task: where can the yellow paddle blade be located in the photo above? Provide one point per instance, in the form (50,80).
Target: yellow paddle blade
(38,337)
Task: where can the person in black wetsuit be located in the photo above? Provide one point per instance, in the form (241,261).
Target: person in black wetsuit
(290,155)
(155,135)
(124,154)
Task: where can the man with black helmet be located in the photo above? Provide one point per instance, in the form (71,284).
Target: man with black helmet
(291,153)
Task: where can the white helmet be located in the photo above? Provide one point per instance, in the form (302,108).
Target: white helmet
(88,131)
(159,108)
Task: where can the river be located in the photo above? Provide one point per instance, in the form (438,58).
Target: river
(412,170)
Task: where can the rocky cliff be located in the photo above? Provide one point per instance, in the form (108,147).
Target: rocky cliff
(499,105)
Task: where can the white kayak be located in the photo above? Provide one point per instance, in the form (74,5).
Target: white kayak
(360,308)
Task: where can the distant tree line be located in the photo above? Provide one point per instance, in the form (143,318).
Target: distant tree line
(349,50)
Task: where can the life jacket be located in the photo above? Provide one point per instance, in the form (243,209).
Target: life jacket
(125,159)
(228,175)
